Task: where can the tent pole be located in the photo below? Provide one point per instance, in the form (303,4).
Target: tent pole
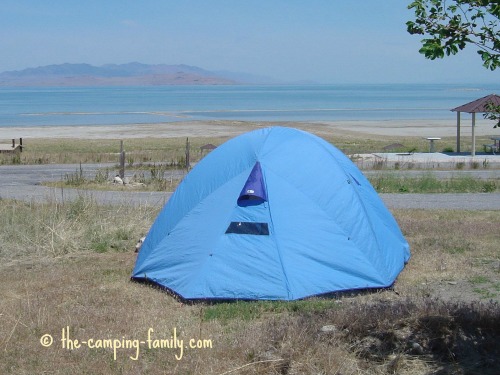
(473,134)
(458,131)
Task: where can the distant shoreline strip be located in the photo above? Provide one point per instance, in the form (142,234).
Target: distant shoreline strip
(187,112)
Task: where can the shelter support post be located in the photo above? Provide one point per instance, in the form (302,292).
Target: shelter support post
(473,134)
(477,106)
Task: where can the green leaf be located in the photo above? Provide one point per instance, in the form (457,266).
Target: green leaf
(453,24)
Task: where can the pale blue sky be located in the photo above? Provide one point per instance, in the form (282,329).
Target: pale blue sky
(326,41)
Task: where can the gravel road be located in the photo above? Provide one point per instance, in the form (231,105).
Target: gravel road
(23,183)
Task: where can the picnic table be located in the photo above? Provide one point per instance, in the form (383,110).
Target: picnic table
(431,143)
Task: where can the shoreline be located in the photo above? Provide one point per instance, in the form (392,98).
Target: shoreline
(214,128)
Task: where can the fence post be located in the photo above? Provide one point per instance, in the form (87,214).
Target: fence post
(187,155)
(122,161)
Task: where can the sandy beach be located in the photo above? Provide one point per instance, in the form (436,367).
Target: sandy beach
(394,128)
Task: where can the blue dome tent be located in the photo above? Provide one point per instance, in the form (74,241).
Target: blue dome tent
(274,214)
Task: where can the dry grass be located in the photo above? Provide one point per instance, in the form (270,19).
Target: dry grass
(450,245)
(172,150)
(137,151)
(54,229)
(67,266)
(148,177)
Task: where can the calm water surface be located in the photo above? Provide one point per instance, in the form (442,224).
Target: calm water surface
(140,105)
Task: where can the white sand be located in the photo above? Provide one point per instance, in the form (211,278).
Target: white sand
(402,128)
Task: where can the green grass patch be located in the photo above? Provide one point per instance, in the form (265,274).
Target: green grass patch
(479,279)
(388,183)
(100,246)
(485,287)
(485,293)
(245,310)
(457,249)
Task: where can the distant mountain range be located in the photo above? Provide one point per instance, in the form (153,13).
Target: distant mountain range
(124,75)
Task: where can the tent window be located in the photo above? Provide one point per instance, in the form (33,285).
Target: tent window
(239,227)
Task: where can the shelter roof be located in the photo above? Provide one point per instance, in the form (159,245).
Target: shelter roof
(479,105)
(208,146)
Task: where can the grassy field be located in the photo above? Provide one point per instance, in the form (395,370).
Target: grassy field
(172,150)
(65,272)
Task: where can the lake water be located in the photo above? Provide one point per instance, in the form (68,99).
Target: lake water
(139,105)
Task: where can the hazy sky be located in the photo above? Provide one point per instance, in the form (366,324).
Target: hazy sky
(326,41)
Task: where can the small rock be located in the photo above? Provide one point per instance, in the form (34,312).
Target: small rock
(328,328)
(117,180)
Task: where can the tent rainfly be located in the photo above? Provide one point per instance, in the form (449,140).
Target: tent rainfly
(476,106)
(274,214)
